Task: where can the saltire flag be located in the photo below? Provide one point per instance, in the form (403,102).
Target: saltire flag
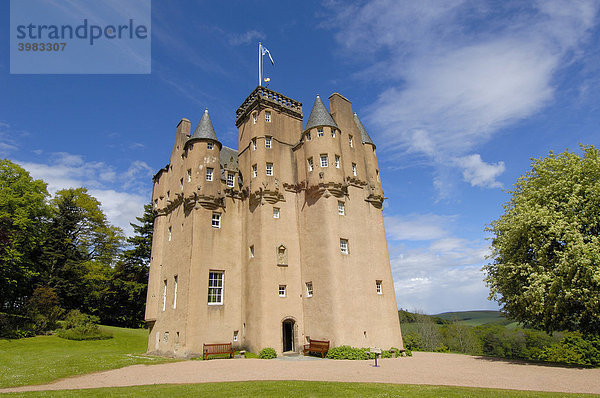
(265,51)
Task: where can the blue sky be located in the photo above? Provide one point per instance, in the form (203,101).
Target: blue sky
(458,96)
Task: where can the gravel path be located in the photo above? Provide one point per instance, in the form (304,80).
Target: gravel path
(422,368)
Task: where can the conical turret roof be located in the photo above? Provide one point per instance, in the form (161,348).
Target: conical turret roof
(319,116)
(363,133)
(205,129)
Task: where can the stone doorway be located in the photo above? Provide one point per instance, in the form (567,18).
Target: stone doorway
(288,335)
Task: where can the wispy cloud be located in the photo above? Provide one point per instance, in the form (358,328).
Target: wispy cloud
(416,226)
(479,173)
(246,37)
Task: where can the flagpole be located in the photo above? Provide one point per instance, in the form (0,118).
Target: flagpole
(259,64)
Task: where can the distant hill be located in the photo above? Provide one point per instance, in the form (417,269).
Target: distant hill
(474,318)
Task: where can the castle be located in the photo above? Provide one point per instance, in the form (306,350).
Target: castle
(273,244)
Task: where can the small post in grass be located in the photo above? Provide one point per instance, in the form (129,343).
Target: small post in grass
(376,351)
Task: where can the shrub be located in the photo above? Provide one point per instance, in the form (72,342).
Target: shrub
(573,349)
(43,309)
(267,353)
(250,355)
(78,326)
(347,352)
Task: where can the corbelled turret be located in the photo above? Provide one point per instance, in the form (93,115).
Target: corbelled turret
(205,130)
(363,133)
(319,116)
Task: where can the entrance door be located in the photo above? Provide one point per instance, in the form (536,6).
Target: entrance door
(288,335)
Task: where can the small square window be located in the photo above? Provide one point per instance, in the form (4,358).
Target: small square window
(216,220)
(350,141)
(269,169)
(267,116)
(251,251)
(282,290)
(209,174)
(341,209)
(275,212)
(324,161)
(308,138)
(354,173)
(309,289)
(209,145)
(230,180)
(333,132)
(337,162)
(344,246)
(310,164)
(267,142)
(189,174)
(320,132)
(378,287)
(254,171)
(254,144)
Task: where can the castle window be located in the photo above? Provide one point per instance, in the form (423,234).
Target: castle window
(235,335)
(310,164)
(209,145)
(189,172)
(254,118)
(267,142)
(164,303)
(344,246)
(169,234)
(267,116)
(181,184)
(309,289)
(209,174)
(254,144)
(333,132)
(341,209)
(168,195)
(324,160)
(275,212)
(308,138)
(251,251)
(155,203)
(166,337)
(230,179)
(175,292)
(354,173)
(337,162)
(320,132)
(378,287)
(282,257)
(215,288)
(254,171)
(377,172)
(216,220)
(350,141)
(282,290)
(269,169)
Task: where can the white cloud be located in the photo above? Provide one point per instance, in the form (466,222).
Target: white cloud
(479,173)
(246,37)
(416,226)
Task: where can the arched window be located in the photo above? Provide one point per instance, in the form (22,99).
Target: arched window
(282,258)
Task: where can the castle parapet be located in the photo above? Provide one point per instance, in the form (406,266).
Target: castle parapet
(272,99)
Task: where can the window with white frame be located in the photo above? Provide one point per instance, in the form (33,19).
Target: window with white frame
(215,287)
(254,144)
(324,160)
(309,289)
(282,290)
(267,142)
(310,164)
(341,209)
(275,212)
(251,251)
(254,171)
(337,162)
(230,180)
(333,132)
(209,173)
(216,220)
(350,141)
(269,169)
(189,174)
(235,335)
(354,173)
(267,116)
(379,287)
(320,132)
(170,234)
(344,246)
(175,291)
(164,303)
(209,145)
(308,137)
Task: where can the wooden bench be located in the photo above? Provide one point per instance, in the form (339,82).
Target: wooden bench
(215,349)
(321,346)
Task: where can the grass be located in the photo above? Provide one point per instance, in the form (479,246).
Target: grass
(473,318)
(43,359)
(294,389)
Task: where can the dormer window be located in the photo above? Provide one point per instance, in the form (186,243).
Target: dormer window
(209,145)
(230,180)
(320,132)
(267,116)
(268,142)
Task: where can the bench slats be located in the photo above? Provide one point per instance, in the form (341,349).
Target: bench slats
(321,346)
(219,348)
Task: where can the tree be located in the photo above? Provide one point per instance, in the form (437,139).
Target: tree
(546,245)
(23,213)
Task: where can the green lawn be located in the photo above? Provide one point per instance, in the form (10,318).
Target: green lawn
(42,359)
(293,389)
